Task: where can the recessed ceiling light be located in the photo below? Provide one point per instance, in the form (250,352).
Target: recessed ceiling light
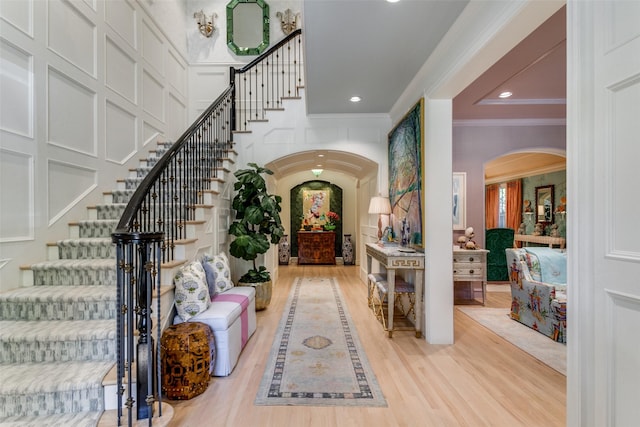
(320,155)
(355,99)
(393,1)
(506,94)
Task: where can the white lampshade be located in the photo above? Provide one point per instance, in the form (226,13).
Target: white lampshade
(380,205)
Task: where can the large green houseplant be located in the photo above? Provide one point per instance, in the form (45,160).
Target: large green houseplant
(257,225)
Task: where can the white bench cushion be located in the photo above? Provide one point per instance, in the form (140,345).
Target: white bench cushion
(232,323)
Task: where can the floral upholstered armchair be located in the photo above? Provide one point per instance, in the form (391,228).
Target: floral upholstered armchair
(538,289)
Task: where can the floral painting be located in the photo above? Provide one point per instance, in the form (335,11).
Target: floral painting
(315,207)
(405,176)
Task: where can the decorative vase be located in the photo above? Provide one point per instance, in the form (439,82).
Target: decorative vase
(347,250)
(263,293)
(284,250)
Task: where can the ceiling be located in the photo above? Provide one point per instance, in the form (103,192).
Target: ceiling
(376,58)
(509,166)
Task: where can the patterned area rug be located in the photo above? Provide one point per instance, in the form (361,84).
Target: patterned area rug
(316,358)
(549,352)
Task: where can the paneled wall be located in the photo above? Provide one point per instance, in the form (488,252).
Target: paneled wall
(88,87)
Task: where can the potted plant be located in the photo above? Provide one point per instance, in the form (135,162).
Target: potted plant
(256,227)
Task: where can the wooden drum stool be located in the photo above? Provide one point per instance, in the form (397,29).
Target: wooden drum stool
(188,352)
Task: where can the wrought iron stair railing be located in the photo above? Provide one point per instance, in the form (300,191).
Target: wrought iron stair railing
(160,208)
(264,83)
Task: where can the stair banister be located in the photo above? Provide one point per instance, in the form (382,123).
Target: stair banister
(262,84)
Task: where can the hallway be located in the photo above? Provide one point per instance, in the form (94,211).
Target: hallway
(480,380)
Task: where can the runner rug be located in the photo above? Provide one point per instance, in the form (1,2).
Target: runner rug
(316,358)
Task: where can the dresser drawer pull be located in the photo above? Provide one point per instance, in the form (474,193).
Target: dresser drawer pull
(471,259)
(470,271)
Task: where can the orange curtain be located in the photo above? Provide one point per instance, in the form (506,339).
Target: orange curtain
(514,204)
(491,202)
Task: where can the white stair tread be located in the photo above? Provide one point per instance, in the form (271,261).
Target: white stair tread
(79,419)
(96,263)
(59,330)
(60,293)
(49,377)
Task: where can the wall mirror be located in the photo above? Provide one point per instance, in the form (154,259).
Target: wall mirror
(247,26)
(544,204)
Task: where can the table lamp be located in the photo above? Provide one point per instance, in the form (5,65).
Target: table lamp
(381,206)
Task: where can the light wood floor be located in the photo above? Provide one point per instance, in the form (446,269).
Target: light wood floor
(481,380)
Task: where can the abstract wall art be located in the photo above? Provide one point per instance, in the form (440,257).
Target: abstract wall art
(405,176)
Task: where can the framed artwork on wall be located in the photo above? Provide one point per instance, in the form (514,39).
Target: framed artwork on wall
(405,176)
(315,205)
(459,201)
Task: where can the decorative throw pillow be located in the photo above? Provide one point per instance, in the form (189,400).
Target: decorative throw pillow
(218,273)
(191,292)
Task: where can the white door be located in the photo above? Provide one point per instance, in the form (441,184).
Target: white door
(603,140)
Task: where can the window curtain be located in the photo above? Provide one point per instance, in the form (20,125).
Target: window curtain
(514,204)
(491,205)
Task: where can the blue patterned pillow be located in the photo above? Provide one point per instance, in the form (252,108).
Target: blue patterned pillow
(191,292)
(218,273)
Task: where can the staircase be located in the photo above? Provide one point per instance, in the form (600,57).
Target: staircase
(58,332)
(65,335)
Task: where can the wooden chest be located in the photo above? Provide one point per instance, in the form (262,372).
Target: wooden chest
(316,247)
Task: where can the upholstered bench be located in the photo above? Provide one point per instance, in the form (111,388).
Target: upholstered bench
(232,318)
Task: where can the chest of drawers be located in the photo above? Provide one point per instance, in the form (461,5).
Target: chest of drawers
(316,247)
(471,266)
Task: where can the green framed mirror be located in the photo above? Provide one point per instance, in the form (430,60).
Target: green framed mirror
(247,26)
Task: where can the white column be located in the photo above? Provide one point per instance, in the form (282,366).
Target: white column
(438,220)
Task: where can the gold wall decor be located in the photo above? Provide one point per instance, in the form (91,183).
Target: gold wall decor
(205,23)
(288,21)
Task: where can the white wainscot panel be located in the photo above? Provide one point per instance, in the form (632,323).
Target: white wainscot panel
(121,16)
(626,26)
(70,102)
(624,206)
(120,71)
(280,136)
(208,83)
(121,136)
(68,184)
(176,73)
(16,197)
(177,117)
(16,83)
(150,133)
(319,135)
(623,358)
(152,47)
(91,4)
(152,99)
(18,13)
(363,134)
(72,35)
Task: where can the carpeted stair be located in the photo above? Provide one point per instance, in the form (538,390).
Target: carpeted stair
(58,337)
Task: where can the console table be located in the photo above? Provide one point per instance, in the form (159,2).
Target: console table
(471,266)
(545,240)
(392,258)
(316,247)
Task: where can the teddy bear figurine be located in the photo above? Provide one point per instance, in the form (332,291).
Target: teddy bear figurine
(554,231)
(469,234)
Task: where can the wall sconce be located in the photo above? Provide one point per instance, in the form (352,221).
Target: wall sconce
(316,172)
(288,21)
(381,206)
(205,23)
